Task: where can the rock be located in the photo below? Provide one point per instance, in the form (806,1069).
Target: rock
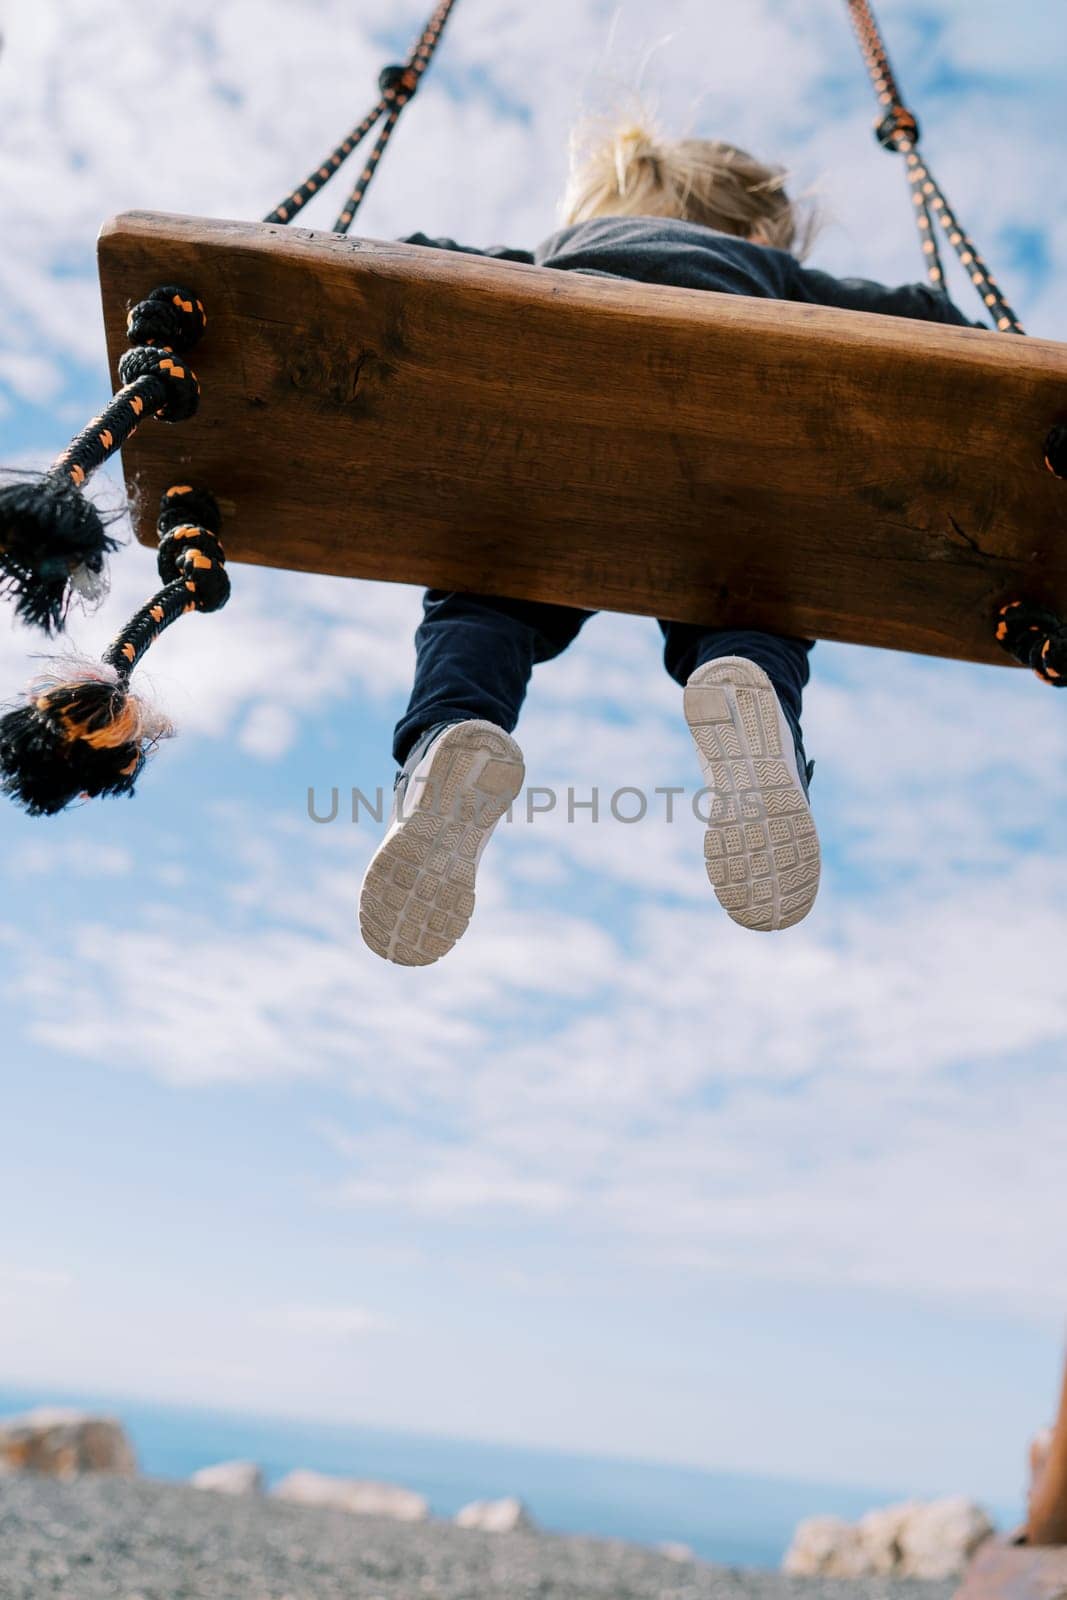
(881,1533)
(349,1494)
(827,1546)
(229,1477)
(496,1516)
(65,1443)
(674,1550)
(933,1539)
(940,1537)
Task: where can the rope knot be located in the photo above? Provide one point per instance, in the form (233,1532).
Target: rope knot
(898,126)
(190,549)
(80,738)
(83,732)
(397,80)
(1036,638)
(181,391)
(170,316)
(1056,450)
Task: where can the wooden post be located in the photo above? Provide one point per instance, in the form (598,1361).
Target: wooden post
(1032,1565)
(1046,1521)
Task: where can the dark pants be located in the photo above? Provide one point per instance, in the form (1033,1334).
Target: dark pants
(475,654)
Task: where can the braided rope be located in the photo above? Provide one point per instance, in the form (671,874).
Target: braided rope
(154,382)
(897,130)
(288,208)
(1036,638)
(397,84)
(192,564)
(52,537)
(1031,634)
(351,206)
(157,385)
(86,734)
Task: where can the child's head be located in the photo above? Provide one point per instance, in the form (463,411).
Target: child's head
(630,172)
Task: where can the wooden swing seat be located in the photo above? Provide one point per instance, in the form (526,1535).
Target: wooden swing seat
(378,410)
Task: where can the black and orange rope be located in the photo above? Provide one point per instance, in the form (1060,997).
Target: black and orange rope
(53,541)
(87,735)
(897,129)
(295,202)
(1033,635)
(52,538)
(1056,450)
(397,84)
(1037,638)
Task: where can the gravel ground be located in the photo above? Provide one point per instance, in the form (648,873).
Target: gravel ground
(108,1539)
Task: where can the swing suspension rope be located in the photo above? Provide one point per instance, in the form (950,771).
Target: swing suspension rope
(897,130)
(397,85)
(1032,634)
(53,540)
(84,733)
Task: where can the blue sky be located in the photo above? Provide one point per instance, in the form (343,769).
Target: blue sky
(616,1176)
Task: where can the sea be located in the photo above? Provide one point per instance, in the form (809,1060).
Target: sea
(730,1518)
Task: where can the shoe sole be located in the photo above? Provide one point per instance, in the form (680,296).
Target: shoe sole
(761,847)
(417,897)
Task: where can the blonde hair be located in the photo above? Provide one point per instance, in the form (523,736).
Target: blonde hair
(631,172)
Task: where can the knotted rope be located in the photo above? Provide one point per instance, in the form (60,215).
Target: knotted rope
(397,84)
(897,130)
(52,538)
(1056,450)
(53,541)
(1031,634)
(1037,638)
(82,732)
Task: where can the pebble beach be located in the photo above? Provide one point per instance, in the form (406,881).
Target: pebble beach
(107,1538)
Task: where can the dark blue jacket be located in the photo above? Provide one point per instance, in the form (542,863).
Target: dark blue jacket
(690,256)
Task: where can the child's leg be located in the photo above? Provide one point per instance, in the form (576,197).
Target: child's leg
(742,703)
(460,768)
(688,646)
(473,658)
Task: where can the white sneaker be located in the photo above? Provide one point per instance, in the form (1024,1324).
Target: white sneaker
(417,897)
(761,847)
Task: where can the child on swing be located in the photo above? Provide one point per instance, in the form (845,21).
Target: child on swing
(698,214)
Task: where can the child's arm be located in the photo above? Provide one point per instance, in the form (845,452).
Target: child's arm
(919,300)
(498,251)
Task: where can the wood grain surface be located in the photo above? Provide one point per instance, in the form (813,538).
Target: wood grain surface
(378,410)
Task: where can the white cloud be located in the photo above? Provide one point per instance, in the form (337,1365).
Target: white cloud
(873,1098)
(326,1322)
(99,860)
(30,1295)
(17,1280)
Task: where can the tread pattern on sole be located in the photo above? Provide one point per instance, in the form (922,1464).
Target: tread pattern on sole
(418,896)
(761,847)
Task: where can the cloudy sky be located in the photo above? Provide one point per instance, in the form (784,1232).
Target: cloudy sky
(618,1175)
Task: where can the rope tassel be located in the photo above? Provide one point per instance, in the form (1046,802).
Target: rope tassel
(53,541)
(86,734)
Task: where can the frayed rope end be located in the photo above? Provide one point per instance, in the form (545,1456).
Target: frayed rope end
(52,543)
(81,738)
